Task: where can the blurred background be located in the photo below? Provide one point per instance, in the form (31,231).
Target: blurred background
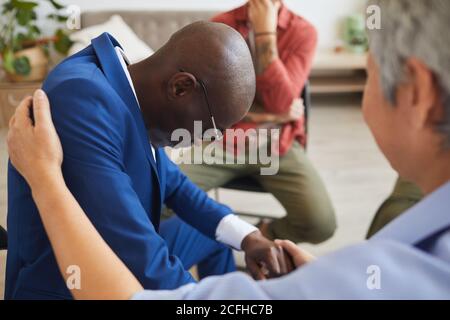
(340,146)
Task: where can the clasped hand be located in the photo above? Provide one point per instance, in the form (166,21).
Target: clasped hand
(267,259)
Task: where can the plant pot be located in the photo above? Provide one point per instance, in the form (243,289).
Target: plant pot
(357,49)
(38,62)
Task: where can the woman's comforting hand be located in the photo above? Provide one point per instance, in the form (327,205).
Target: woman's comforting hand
(33,144)
(299,256)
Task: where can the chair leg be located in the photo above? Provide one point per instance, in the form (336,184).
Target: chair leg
(216,194)
(258,218)
(3,239)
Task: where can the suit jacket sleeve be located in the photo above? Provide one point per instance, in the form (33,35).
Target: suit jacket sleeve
(191,203)
(88,120)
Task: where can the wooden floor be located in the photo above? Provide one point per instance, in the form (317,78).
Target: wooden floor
(356,174)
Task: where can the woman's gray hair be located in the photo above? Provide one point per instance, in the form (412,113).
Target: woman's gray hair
(413,28)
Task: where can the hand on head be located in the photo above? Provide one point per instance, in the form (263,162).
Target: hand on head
(34,148)
(263,15)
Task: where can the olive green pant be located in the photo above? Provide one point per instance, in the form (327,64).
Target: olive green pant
(404,196)
(297,186)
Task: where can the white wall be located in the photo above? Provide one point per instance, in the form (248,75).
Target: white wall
(326,15)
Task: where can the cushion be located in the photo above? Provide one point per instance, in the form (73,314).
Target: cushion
(134,48)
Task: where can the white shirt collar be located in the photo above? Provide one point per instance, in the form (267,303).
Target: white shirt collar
(124,62)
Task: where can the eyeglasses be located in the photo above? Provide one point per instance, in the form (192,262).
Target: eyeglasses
(218,134)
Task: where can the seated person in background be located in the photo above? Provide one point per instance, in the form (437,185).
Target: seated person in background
(404,196)
(407,108)
(282,46)
(113,121)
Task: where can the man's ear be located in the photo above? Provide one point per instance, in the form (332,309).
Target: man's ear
(181,84)
(424,93)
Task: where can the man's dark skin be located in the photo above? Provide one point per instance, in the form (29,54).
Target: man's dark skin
(171,97)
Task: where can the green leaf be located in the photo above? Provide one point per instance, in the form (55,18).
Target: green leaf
(22,66)
(63,43)
(46,49)
(24,17)
(24,5)
(57,17)
(8,60)
(56,5)
(22,37)
(7,7)
(34,31)
(16,42)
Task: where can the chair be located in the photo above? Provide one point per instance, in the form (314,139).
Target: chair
(3,239)
(250,184)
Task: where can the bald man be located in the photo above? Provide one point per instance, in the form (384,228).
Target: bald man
(114,119)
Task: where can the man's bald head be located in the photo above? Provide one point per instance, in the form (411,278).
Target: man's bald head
(202,52)
(219,56)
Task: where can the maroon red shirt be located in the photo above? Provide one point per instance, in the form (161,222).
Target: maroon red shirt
(284,79)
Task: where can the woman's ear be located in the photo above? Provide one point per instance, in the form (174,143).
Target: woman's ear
(181,84)
(424,98)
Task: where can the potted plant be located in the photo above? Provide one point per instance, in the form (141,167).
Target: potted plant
(23,48)
(355,34)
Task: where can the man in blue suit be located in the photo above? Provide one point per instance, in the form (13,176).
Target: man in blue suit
(113,120)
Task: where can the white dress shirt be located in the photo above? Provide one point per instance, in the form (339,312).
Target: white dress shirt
(231,230)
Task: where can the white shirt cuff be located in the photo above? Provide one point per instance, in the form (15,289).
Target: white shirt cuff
(232,230)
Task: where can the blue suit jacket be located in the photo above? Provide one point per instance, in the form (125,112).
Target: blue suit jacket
(109,167)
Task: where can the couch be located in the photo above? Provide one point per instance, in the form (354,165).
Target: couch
(153,27)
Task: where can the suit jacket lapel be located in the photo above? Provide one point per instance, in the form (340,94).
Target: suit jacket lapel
(104,49)
(113,71)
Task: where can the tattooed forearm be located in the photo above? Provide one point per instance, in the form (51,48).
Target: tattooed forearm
(266,52)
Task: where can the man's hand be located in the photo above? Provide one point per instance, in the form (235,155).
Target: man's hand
(296,111)
(263,15)
(264,258)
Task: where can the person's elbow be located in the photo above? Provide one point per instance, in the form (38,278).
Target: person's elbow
(280,101)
